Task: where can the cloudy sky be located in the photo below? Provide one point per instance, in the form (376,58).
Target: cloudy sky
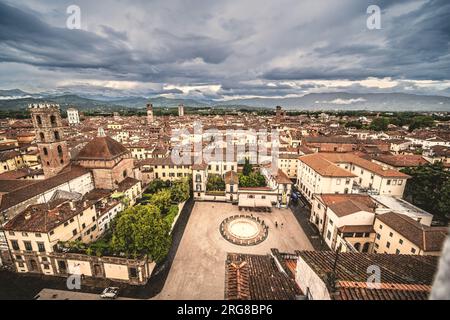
(225,49)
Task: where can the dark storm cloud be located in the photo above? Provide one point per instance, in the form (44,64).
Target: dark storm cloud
(227,43)
(416,46)
(111,32)
(25,39)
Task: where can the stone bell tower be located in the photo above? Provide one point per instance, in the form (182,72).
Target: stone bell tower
(49,130)
(149,113)
(181,110)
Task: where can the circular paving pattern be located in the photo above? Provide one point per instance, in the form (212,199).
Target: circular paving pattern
(244,230)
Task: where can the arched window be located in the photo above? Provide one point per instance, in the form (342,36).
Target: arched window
(198,178)
(45,151)
(124,173)
(357,246)
(53,120)
(366,247)
(41,135)
(57,136)
(60,151)
(38,120)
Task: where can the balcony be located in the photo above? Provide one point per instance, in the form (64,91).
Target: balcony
(362,190)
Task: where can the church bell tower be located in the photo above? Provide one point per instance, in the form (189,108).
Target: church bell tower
(149,113)
(49,130)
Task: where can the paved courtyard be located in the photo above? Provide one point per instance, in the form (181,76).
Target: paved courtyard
(198,270)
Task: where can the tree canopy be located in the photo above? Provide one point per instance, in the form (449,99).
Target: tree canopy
(379,124)
(162,200)
(354,124)
(180,190)
(215,183)
(248,168)
(429,189)
(157,185)
(254,179)
(141,230)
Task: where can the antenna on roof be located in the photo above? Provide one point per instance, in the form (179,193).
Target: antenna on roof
(101,132)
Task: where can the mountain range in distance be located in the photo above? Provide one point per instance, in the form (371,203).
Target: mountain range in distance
(17,99)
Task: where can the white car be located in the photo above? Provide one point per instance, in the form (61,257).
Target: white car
(110,293)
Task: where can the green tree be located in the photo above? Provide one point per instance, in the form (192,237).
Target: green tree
(215,183)
(180,190)
(379,124)
(354,124)
(247,167)
(255,179)
(429,189)
(141,230)
(162,200)
(421,122)
(157,185)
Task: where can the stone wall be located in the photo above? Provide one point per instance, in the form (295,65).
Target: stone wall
(131,271)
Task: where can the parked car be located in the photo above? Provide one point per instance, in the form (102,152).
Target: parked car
(110,293)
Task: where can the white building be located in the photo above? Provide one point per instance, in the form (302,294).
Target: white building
(181,110)
(73,116)
(325,173)
(317,175)
(345,220)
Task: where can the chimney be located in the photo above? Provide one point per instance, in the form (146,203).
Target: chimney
(72,205)
(28,216)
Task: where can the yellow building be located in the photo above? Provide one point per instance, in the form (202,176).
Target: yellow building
(399,234)
(288,162)
(34,234)
(344,220)
(10,160)
(164,169)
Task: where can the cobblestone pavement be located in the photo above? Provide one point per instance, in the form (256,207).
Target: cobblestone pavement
(198,271)
(302,213)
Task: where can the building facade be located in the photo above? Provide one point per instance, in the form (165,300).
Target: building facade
(50,137)
(73,117)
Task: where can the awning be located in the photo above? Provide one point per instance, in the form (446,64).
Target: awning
(254,203)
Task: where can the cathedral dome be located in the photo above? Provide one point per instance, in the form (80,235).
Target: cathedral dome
(102,148)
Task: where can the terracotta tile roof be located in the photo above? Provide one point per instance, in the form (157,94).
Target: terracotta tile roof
(25,190)
(238,281)
(441,151)
(45,217)
(425,237)
(395,269)
(333,139)
(305,150)
(7,155)
(363,163)
(102,148)
(231,177)
(345,204)
(281,177)
(402,160)
(349,290)
(324,167)
(127,183)
(256,277)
